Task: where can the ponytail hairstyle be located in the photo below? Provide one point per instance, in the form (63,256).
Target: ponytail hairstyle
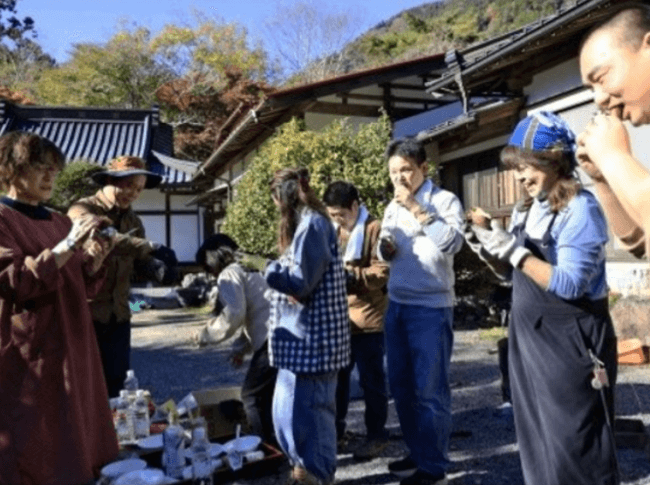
(291,191)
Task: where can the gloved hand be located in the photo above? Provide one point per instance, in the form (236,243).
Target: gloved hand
(500,244)
(387,247)
(501,269)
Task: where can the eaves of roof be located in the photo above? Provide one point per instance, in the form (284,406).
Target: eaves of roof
(278,107)
(98,135)
(476,62)
(498,117)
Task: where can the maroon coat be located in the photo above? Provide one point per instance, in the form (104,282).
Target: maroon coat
(55,421)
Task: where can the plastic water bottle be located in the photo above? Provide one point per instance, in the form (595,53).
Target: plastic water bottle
(124,419)
(201,460)
(131,384)
(141,423)
(173,445)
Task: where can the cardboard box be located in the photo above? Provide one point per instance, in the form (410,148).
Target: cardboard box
(222,409)
(631,352)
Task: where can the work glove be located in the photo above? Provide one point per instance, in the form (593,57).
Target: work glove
(500,244)
(499,268)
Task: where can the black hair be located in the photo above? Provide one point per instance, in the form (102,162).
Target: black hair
(409,148)
(216,260)
(214,243)
(340,194)
(634,17)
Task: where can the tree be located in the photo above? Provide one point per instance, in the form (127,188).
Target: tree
(21,59)
(311,38)
(73,183)
(207,49)
(339,152)
(216,75)
(12,29)
(123,73)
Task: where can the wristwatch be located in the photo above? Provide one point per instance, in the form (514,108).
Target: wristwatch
(70,243)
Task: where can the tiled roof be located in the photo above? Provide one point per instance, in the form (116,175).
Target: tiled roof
(99,135)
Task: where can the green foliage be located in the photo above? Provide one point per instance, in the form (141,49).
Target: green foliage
(339,152)
(12,29)
(452,24)
(73,183)
(208,50)
(121,73)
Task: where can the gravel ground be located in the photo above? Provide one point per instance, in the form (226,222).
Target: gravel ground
(483,449)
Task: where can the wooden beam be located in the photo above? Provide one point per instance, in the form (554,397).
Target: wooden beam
(363,110)
(407,87)
(379,97)
(356,81)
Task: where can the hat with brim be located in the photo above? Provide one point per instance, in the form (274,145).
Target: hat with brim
(127,166)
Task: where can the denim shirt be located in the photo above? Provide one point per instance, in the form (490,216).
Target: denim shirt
(576,240)
(309,333)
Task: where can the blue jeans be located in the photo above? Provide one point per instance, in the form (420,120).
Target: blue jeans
(419,341)
(303,417)
(368,356)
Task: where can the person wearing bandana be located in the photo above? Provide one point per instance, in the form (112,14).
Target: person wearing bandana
(562,346)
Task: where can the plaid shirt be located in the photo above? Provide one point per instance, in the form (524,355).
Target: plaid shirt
(311,271)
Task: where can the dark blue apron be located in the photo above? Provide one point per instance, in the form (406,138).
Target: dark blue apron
(560,419)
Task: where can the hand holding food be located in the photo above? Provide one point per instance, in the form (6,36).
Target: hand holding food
(479,217)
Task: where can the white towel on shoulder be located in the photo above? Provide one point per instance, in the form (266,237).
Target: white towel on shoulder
(354,248)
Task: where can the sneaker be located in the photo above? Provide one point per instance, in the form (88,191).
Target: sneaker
(424,478)
(343,442)
(403,468)
(370,449)
(300,476)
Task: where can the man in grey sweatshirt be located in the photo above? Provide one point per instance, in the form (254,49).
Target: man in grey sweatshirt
(421,232)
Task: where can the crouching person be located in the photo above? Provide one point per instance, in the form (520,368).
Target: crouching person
(242,305)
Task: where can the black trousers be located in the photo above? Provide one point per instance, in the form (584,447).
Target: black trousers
(114,340)
(257,394)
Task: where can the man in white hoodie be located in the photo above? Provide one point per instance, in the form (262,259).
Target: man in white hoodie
(421,232)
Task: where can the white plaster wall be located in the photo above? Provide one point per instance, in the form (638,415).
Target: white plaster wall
(318,121)
(629,278)
(185,236)
(554,81)
(179,203)
(154,228)
(150,200)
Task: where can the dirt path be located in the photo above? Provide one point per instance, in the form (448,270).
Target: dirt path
(483,446)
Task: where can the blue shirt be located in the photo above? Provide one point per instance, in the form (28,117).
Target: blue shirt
(311,335)
(576,244)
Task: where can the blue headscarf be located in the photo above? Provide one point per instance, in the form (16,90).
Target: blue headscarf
(545,131)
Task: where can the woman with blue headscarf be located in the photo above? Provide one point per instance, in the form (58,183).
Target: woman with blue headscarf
(562,346)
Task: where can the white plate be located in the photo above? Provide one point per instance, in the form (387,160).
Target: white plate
(215,450)
(243,444)
(187,471)
(153,442)
(117,468)
(148,476)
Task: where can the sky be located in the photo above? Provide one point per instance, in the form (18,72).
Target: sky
(62,23)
